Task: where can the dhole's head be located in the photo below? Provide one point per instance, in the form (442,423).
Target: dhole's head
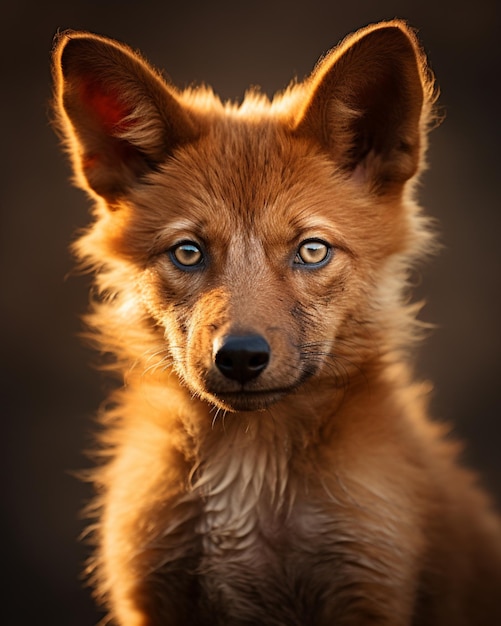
(250,248)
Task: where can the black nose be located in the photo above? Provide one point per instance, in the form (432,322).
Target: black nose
(242,357)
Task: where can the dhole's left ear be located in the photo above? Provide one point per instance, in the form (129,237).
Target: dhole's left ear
(119,116)
(368,102)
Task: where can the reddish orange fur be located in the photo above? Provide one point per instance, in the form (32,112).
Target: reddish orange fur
(319,491)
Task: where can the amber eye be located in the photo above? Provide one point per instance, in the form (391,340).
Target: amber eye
(313,252)
(187,255)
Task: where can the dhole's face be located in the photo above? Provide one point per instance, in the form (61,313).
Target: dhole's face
(255,238)
(246,264)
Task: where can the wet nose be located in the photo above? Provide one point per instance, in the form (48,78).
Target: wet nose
(242,357)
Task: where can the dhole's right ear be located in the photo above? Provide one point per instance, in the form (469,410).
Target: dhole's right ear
(118,115)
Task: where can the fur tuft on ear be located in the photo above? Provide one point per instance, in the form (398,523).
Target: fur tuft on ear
(369,103)
(118,115)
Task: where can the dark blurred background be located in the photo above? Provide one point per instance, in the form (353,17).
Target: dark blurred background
(50,389)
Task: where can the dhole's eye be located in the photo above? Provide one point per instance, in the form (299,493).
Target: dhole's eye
(313,252)
(187,255)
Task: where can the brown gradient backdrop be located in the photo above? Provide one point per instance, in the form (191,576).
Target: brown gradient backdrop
(49,388)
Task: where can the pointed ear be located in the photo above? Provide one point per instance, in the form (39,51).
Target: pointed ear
(118,115)
(368,102)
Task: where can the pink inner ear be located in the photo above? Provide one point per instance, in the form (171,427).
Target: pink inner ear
(105,105)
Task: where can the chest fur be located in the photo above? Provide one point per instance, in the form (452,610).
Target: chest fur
(261,533)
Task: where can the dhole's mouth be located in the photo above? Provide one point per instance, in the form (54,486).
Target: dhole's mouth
(249,400)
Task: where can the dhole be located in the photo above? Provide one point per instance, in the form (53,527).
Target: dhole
(269,459)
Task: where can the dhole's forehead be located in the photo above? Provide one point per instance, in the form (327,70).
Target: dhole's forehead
(275,209)
(254,155)
(249,170)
